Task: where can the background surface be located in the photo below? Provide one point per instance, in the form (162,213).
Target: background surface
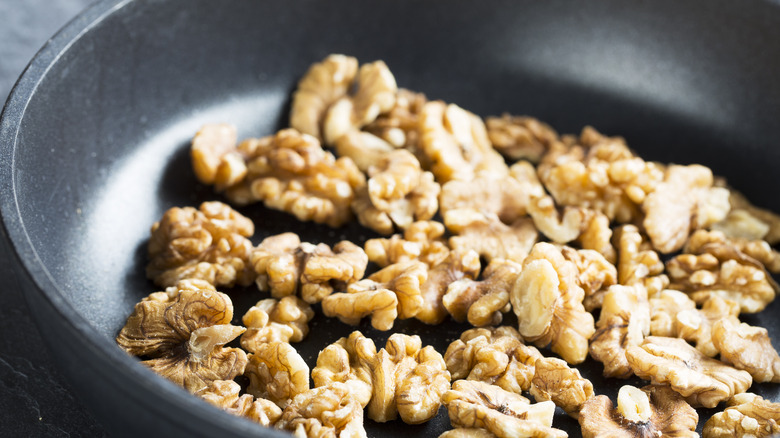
(35,401)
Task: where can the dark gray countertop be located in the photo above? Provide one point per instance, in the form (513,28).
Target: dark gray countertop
(35,400)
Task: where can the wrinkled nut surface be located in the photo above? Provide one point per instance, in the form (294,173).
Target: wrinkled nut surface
(472,404)
(459,264)
(703,381)
(348,361)
(548,303)
(210,243)
(467,432)
(757,252)
(272,320)
(399,125)
(739,203)
(482,302)
(493,355)
(213,154)
(181,333)
(277,372)
(326,411)
(422,241)
(224,394)
(664,307)
(696,325)
(559,226)
(554,380)
(747,348)
(595,274)
(638,262)
(747,415)
(647,412)
(364,149)
(488,236)
(520,137)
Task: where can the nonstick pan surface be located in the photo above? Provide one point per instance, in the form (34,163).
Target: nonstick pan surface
(95,140)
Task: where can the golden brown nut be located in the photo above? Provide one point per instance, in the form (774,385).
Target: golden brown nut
(325,411)
(696,325)
(277,372)
(284,265)
(664,307)
(348,361)
(458,264)
(224,394)
(482,302)
(703,381)
(717,244)
(399,126)
(747,415)
(455,142)
(272,320)
(597,235)
(181,333)
(421,241)
(520,137)
(547,300)
(747,348)
(488,236)
(624,321)
(467,432)
(637,262)
(214,157)
(398,193)
(647,412)
(595,274)
(493,355)
(554,380)
(210,243)
(472,404)
(560,227)
(769,221)
(363,148)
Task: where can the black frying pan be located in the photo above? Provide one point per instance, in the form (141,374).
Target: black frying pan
(95,136)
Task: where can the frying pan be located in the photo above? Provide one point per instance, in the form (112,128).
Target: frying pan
(95,135)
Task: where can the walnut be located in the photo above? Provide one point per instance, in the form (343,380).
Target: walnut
(695,325)
(554,380)
(508,197)
(488,236)
(214,157)
(482,302)
(422,240)
(685,201)
(399,126)
(467,432)
(493,355)
(703,381)
(472,404)
(624,321)
(646,412)
(363,148)
(740,224)
(210,243)
(347,360)
(455,141)
(181,333)
(284,265)
(272,320)
(224,394)
(520,137)
(408,380)
(398,193)
(747,348)
(325,411)
(595,274)
(458,264)
(637,262)
(747,415)
(664,307)
(560,227)
(548,303)
(721,246)
(289,171)
(597,235)
(771,221)
(277,372)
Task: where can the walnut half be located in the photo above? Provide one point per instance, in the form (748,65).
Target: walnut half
(747,415)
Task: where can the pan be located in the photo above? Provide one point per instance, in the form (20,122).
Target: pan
(95,140)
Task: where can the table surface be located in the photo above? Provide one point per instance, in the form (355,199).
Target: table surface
(35,400)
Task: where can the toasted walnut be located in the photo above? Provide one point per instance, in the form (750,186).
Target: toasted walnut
(458,264)
(272,320)
(325,411)
(717,244)
(399,126)
(624,321)
(398,193)
(703,381)
(520,137)
(181,334)
(684,201)
(647,412)
(548,303)
(507,197)
(747,348)
(493,355)
(364,149)
(467,432)
(747,415)
(554,380)
(664,307)
(595,274)
(210,243)
(214,157)
(505,414)
(696,325)
(637,262)
(284,264)
(277,372)
(741,205)
(290,171)
(482,302)
(488,236)
(347,360)
(560,227)
(421,241)
(597,235)
(455,141)
(740,224)
(224,394)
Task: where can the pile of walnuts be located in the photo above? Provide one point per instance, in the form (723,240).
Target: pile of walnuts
(594,252)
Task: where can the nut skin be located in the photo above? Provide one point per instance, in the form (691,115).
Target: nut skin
(399,125)
(224,394)
(422,241)
(664,307)
(771,220)
(671,417)
(718,243)
(488,236)
(277,372)
(554,380)
(520,137)
(325,411)
(595,274)
(638,262)
(482,302)
(212,150)
(747,415)
(284,320)
(747,348)
(348,361)
(458,264)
